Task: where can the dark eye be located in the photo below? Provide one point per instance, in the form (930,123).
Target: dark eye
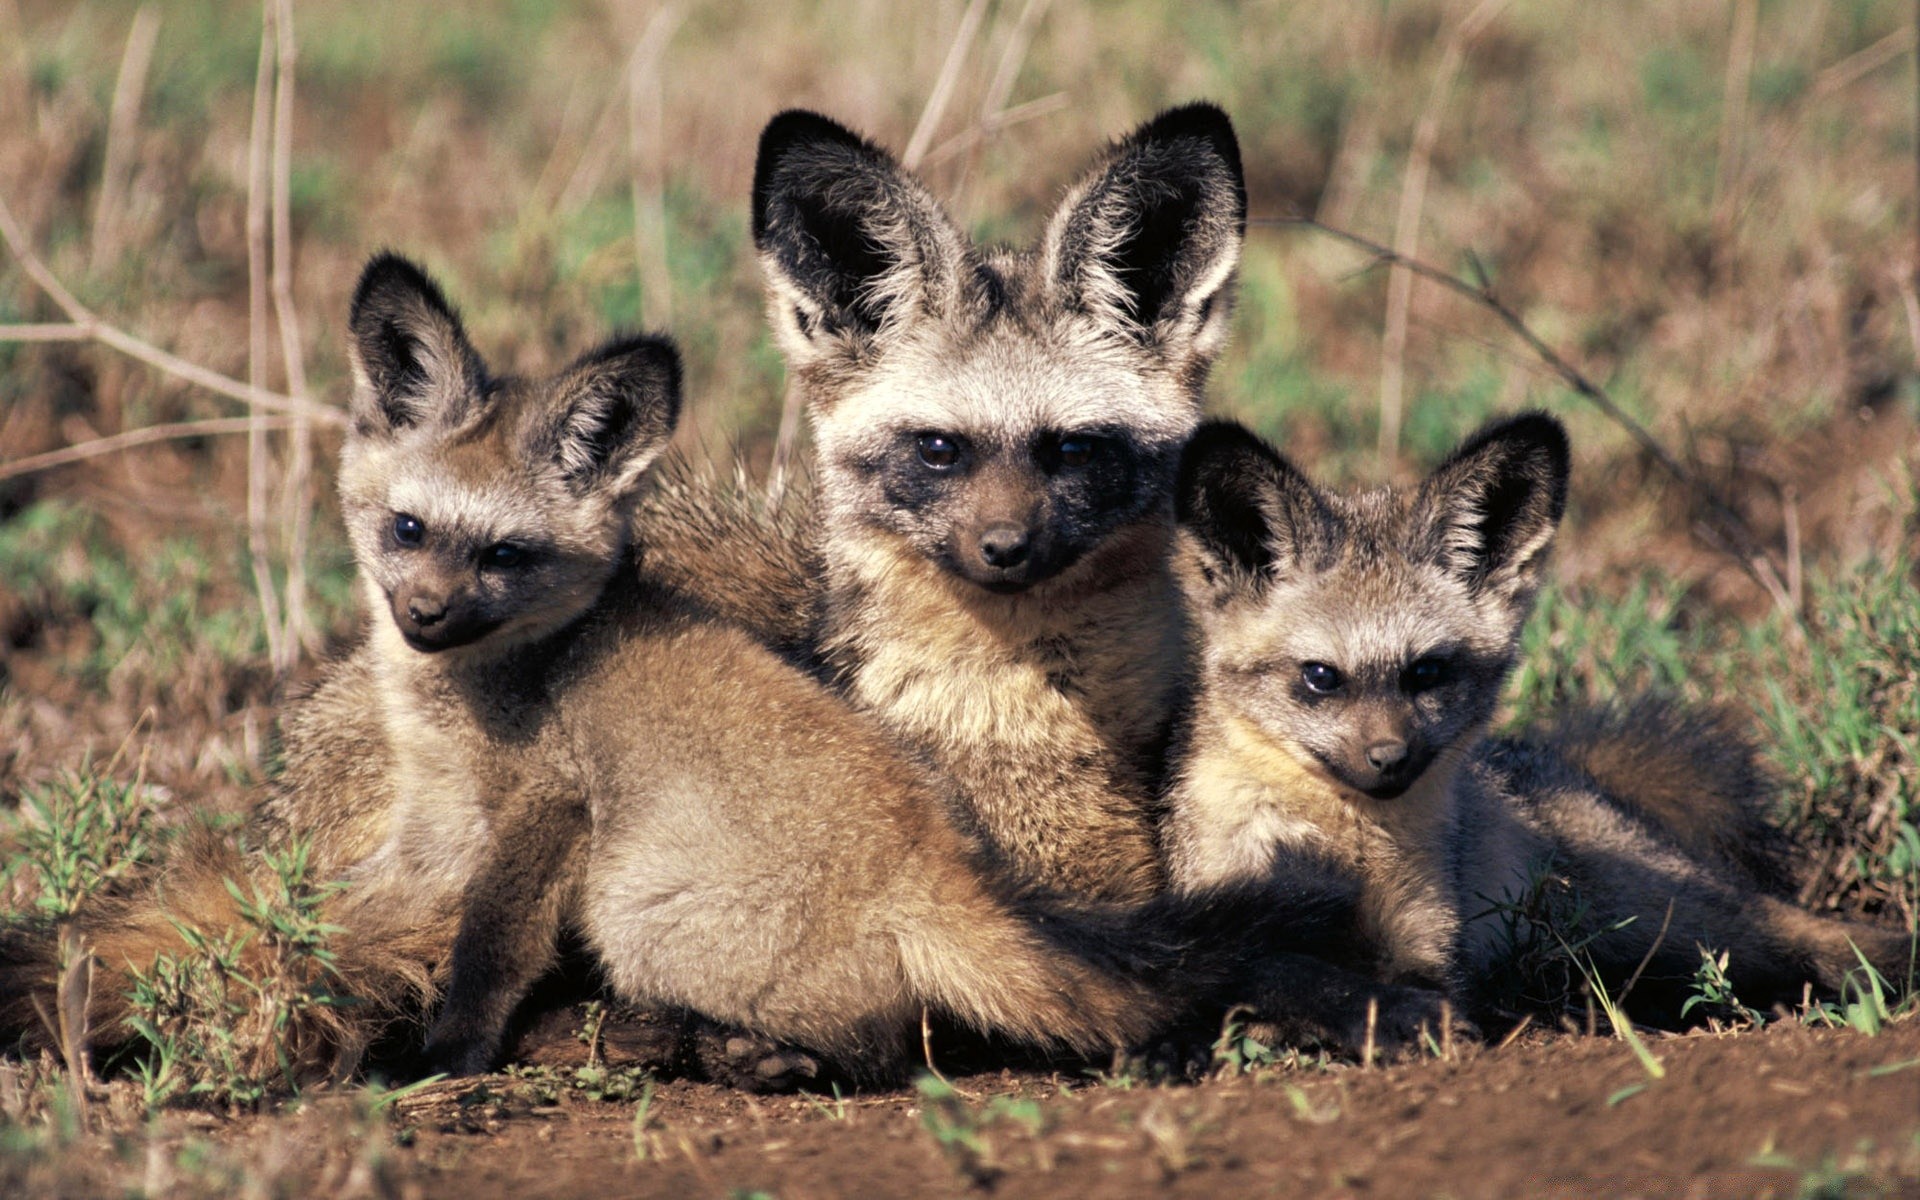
(1321,678)
(1426,673)
(502,555)
(938,451)
(1077,450)
(408,530)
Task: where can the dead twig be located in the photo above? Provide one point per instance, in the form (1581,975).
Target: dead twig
(85,326)
(1406,230)
(259,466)
(646,170)
(1724,529)
(297,496)
(1733,125)
(943,85)
(144,436)
(122,119)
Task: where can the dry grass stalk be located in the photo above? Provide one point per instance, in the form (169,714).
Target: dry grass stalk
(646,163)
(976,136)
(85,327)
(943,86)
(259,465)
(1733,124)
(297,495)
(1406,232)
(145,436)
(122,122)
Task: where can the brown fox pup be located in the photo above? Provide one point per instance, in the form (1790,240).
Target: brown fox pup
(572,744)
(996,437)
(1354,650)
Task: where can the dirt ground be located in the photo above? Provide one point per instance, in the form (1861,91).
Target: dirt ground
(1788,1111)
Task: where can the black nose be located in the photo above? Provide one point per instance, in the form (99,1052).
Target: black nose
(1386,755)
(426,612)
(1004,545)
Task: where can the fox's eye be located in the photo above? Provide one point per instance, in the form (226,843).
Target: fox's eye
(938,451)
(1426,673)
(1321,678)
(502,555)
(1077,450)
(408,530)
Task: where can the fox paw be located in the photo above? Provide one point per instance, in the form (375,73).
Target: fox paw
(754,1063)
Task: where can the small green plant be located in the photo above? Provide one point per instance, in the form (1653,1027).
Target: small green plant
(1545,929)
(1713,993)
(1830,1178)
(837,1111)
(1236,1051)
(75,836)
(963,1132)
(643,1138)
(1865,1004)
(225,1020)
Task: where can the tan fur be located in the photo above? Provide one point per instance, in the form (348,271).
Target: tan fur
(1043,695)
(1036,706)
(1319,612)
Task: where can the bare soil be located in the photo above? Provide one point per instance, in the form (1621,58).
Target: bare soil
(1787,1111)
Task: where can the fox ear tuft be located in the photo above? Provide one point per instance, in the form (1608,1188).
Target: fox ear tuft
(412,363)
(852,245)
(614,410)
(1497,501)
(1149,240)
(1250,514)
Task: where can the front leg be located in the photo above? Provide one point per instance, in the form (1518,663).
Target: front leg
(1299,998)
(510,921)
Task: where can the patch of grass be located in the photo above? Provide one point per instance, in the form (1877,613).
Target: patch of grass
(73,837)
(222,1021)
(1837,705)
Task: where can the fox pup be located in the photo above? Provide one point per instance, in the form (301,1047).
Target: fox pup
(996,434)
(1354,651)
(574,744)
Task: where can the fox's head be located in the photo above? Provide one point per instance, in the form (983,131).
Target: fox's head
(487,507)
(1002,413)
(1367,635)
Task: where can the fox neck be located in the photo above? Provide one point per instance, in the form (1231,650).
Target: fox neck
(1264,790)
(1035,706)
(1107,644)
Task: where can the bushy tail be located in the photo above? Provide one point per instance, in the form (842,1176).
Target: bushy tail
(373,975)
(1692,773)
(1094,977)
(746,561)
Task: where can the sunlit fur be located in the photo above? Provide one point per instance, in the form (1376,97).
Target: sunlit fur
(1041,688)
(1282,575)
(725,832)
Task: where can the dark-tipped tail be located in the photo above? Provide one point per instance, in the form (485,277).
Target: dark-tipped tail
(1690,772)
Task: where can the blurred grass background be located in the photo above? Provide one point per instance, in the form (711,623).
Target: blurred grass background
(1708,205)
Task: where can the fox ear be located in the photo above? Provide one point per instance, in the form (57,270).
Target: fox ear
(1250,514)
(852,245)
(1496,502)
(613,412)
(1149,240)
(412,363)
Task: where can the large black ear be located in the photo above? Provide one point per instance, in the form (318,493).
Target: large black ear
(412,363)
(1494,505)
(610,415)
(1149,240)
(851,243)
(1252,515)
